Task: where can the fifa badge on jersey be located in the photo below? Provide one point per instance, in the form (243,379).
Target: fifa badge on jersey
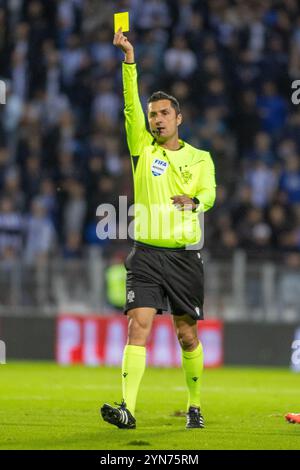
(185,174)
(158,167)
(130,296)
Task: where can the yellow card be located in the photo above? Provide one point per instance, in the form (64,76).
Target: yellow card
(121,20)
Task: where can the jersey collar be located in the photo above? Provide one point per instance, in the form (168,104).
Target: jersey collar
(157,146)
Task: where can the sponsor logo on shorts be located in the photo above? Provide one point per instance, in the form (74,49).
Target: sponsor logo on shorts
(130,296)
(158,167)
(197,310)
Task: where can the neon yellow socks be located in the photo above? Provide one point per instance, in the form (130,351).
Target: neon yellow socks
(192,363)
(133,368)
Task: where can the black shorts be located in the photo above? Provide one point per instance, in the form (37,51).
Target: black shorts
(165,279)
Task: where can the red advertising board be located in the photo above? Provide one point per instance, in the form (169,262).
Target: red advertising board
(95,340)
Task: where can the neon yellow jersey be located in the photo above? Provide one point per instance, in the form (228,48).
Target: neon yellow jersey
(159,174)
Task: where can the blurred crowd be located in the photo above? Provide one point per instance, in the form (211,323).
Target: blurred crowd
(230,63)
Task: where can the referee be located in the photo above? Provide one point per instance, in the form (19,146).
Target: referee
(173,182)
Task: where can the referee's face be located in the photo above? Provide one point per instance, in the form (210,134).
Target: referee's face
(163,120)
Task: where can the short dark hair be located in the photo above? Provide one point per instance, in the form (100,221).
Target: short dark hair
(161,95)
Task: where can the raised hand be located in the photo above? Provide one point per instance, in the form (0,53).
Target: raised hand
(121,41)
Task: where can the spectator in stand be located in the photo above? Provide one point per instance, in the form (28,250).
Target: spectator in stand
(246,121)
(74,208)
(289,182)
(40,235)
(262,150)
(179,59)
(263,183)
(272,108)
(12,231)
(280,219)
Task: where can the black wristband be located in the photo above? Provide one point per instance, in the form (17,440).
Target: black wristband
(197,202)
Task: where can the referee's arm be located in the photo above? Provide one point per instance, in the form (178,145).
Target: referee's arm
(135,124)
(206,194)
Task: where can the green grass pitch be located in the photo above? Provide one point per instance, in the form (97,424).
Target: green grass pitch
(45,406)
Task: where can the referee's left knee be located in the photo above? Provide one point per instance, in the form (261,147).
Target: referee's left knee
(188,342)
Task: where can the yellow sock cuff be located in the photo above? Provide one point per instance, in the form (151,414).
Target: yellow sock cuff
(137,350)
(192,354)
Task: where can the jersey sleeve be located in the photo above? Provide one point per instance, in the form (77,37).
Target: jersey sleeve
(207,185)
(135,125)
